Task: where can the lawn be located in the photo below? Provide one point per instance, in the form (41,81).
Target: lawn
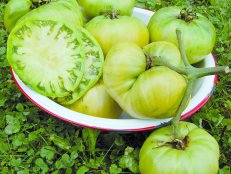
(31,141)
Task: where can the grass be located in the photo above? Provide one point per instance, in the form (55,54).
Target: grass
(31,141)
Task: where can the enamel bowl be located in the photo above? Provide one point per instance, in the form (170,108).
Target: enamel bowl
(202,91)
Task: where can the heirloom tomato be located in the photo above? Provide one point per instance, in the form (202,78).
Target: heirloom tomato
(92,8)
(141,89)
(194,152)
(198,32)
(97,102)
(14,10)
(52,53)
(112,29)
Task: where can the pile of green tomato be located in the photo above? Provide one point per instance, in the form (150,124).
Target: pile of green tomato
(93,57)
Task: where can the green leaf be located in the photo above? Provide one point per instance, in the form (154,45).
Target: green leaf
(220,50)
(74,155)
(18,140)
(65,162)
(42,165)
(130,160)
(2,101)
(16,162)
(34,135)
(225,170)
(119,141)
(25,171)
(114,169)
(228,104)
(2,50)
(4,147)
(47,152)
(5,170)
(13,126)
(20,107)
(90,138)
(229,141)
(82,170)
(60,142)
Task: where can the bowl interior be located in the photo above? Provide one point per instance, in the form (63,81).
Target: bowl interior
(202,91)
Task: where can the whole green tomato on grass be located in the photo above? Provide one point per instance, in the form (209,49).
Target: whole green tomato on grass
(112,29)
(198,32)
(195,152)
(140,88)
(97,102)
(92,8)
(14,10)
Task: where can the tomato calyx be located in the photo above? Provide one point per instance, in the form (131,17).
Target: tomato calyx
(187,14)
(37,3)
(179,144)
(176,143)
(111,14)
(149,62)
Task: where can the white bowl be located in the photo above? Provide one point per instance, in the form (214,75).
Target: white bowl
(201,94)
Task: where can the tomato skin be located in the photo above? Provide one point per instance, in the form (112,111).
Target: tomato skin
(200,156)
(171,55)
(109,32)
(153,93)
(92,8)
(14,10)
(198,35)
(97,102)
(66,11)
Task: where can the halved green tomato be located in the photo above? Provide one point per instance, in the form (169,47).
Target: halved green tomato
(49,56)
(92,72)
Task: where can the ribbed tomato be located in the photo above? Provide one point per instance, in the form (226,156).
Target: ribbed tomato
(195,152)
(92,8)
(141,89)
(112,29)
(198,33)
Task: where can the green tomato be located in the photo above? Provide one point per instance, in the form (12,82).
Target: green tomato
(53,54)
(92,8)
(97,102)
(110,30)
(198,33)
(141,90)
(171,55)
(195,152)
(66,11)
(14,10)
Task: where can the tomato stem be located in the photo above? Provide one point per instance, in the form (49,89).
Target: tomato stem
(201,72)
(192,74)
(160,61)
(176,119)
(182,50)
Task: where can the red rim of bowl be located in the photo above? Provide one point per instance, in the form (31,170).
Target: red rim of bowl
(183,117)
